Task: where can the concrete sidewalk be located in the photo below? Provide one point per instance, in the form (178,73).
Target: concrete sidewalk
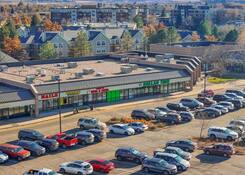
(195,91)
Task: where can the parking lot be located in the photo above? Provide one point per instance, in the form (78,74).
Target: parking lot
(146,142)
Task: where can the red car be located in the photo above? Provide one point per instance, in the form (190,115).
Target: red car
(219,149)
(207,93)
(14,151)
(64,140)
(102,165)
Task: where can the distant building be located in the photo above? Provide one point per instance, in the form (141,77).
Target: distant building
(181,14)
(95,15)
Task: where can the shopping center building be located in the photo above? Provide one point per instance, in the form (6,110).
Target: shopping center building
(32,88)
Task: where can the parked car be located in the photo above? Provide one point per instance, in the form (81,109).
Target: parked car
(76,167)
(101,165)
(123,129)
(206,101)
(234,96)
(30,134)
(227,104)
(64,140)
(243,137)
(206,93)
(158,113)
(138,126)
(43,171)
(222,133)
(184,144)
(175,150)
(223,109)
(236,128)
(130,154)
(191,103)
(32,146)
(15,151)
(174,159)
(3,157)
(48,144)
(186,116)
(177,107)
(90,123)
(237,122)
(142,114)
(208,113)
(171,118)
(238,104)
(99,135)
(165,109)
(237,92)
(219,149)
(220,97)
(84,137)
(159,166)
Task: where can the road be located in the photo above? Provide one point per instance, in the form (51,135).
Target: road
(147,142)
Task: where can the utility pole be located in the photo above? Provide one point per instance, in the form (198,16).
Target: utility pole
(205,77)
(59,101)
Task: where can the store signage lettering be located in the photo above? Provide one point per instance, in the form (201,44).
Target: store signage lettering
(154,83)
(99,90)
(73,93)
(50,95)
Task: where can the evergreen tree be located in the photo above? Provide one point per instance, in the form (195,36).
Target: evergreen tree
(80,46)
(215,32)
(126,41)
(205,28)
(172,35)
(36,20)
(232,36)
(11,27)
(48,51)
(139,21)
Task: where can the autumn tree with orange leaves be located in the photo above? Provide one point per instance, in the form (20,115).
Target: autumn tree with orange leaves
(50,26)
(26,20)
(10,45)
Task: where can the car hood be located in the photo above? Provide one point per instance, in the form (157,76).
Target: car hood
(4,156)
(171,166)
(24,152)
(185,163)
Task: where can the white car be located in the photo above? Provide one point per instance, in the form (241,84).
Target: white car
(138,126)
(238,123)
(76,167)
(223,109)
(121,129)
(222,133)
(3,157)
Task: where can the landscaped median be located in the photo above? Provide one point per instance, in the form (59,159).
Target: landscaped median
(218,80)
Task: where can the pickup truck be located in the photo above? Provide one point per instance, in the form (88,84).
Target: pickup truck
(43,171)
(65,140)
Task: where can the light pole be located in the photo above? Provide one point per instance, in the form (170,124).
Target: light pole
(205,77)
(59,101)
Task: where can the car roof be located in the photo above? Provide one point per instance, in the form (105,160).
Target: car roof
(9,145)
(126,148)
(172,148)
(217,127)
(153,159)
(28,130)
(119,124)
(167,154)
(223,144)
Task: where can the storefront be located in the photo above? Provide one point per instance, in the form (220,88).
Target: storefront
(111,94)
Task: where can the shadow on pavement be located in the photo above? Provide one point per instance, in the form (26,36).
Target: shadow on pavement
(211,159)
(123,164)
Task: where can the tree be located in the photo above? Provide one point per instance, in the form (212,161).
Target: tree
(139,21)
(159,37)
(215,32)
(17,20)
(47,51)
(36,20)
(241,37)
(126,41)
(50,26)
(172,35)
(80,46)
(232,36)
(11,45)
(26,20)
(205,28)
(11,27)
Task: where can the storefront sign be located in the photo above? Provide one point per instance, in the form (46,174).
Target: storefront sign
(72,93)
(48,96)
(99,90)
(155,83)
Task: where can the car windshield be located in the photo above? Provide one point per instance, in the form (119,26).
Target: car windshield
(52,173)
(125,126)
(18,149)
(180,151)
(162,162)
(136,152)
(87,166)
(34,145)
(106,162)
(178,158)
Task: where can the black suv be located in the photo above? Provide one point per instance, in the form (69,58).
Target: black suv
(220,97)
(33,147)
(130,154)
(99,135)
(30,134)
(184,144)
(177,107)
(48,144)
(237,92)
(237,103)
(142,114)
